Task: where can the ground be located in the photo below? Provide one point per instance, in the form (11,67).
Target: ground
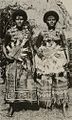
(41,114)
(34,12)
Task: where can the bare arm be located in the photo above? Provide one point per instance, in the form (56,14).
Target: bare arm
(65,46)
(5,53)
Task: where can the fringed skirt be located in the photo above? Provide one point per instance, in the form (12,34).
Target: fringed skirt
(53,89)
(20,85)
(44,90)
(60,94)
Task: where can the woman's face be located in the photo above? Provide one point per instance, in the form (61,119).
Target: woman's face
(19,21)
(51,21)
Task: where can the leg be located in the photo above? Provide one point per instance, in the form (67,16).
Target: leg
(64,109)
(11,110)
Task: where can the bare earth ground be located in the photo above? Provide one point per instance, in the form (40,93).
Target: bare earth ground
(41,114)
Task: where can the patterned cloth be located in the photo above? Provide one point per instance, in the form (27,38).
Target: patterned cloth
(52,63)
(19,79)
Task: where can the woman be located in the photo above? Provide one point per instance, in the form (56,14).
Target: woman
(18,51)
(51,62)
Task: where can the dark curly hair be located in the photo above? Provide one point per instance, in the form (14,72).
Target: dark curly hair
(19,13)
(50,13)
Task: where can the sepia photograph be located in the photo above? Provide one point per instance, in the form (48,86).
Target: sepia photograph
(35,59)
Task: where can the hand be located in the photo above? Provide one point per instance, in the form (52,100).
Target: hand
(10,58)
